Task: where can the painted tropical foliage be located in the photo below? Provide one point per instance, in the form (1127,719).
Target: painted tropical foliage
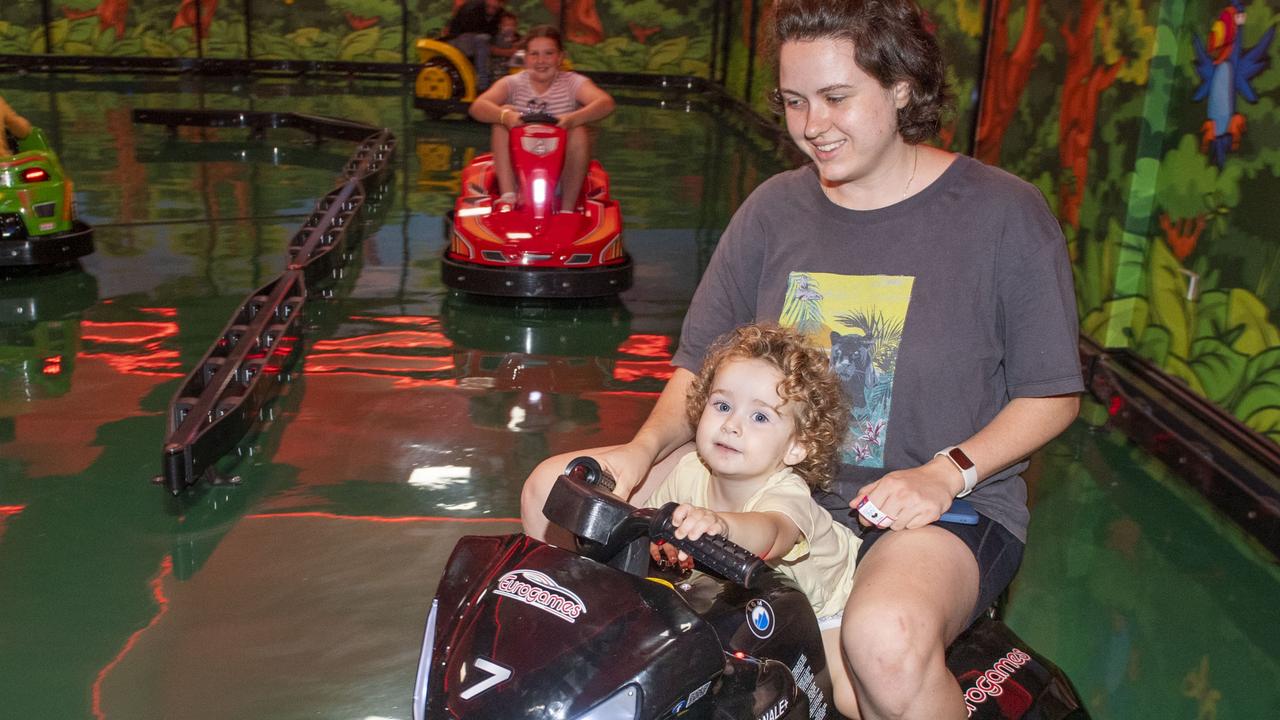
(1109,109)
(658,36)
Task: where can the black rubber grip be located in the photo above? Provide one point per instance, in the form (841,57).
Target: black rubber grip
(722,557)
(590,472)
(539,117)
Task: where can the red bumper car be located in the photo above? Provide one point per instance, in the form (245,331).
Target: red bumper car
(532,250)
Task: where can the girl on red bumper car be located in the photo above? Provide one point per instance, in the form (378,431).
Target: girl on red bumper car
(543,87)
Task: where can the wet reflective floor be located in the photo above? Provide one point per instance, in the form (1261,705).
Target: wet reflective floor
(413,416)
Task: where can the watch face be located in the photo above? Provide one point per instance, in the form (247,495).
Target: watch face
(959,458)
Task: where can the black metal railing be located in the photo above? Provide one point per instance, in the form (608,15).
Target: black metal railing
(224,395)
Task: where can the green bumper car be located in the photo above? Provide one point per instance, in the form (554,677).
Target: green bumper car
(38,223)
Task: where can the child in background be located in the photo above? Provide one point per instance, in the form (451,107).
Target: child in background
(13,127)
(769,416)
(506,45)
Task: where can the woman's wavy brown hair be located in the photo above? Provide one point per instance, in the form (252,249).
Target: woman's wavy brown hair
(822,413)
(890,43)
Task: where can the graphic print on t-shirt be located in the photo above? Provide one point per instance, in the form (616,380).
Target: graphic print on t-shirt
(858,319)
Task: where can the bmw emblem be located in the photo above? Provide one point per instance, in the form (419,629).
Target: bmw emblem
(760,618)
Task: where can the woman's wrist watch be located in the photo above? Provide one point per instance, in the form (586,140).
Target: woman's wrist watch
(966,467)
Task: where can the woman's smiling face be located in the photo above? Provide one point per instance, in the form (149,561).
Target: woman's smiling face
(839,115)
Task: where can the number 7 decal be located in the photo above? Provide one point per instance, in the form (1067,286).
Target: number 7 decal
(497,674)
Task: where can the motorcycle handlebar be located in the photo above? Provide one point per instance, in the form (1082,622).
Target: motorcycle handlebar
(540,118)
(588,470)
(723,557)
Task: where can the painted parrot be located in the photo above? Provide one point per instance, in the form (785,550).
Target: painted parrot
(1225,69)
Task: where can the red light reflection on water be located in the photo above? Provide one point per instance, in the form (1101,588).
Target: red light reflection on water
(398,319)
(161,362)
(162,602)
(650,346)
(395,339)
(632,370)
(131,333)
(144,335)
(6,511)
(376,364)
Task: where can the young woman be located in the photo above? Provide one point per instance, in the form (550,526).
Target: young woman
(944,291)
(543,87)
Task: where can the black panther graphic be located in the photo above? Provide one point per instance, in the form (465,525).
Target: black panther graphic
(852,360)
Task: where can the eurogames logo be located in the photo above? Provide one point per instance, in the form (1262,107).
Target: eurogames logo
(537,589)
(992,683)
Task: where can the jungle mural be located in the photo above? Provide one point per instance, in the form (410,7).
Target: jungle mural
(659,36)
(1151,127)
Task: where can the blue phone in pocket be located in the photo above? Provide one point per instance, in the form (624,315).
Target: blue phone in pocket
(960,512)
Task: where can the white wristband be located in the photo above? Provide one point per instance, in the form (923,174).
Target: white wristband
(966,467)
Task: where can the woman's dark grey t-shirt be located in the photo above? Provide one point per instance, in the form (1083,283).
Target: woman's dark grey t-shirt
(937,310)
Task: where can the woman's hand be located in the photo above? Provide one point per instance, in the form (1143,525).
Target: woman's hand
(629,465)
(914,497)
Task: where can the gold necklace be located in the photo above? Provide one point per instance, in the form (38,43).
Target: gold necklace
(915,161)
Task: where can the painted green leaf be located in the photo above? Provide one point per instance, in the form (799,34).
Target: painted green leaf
(58,30)
(129,47)
(1178,369)
(271,47)
(1218,367)
(1133,309)
(390,40)
(1238,318)
(156,48)
(667,52)
(1167,288)
(1260,385)
(1153,344)
(82,31)
(1267,422)
(697,68)
(103,42)
(1247,311)
(304,37)
(612,46)
(357,45)
(1211,315)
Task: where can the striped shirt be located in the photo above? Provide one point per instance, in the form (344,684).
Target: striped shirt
(559,99)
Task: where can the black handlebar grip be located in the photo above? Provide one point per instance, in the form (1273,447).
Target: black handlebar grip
(718,554)
(590,472)
(540,117)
